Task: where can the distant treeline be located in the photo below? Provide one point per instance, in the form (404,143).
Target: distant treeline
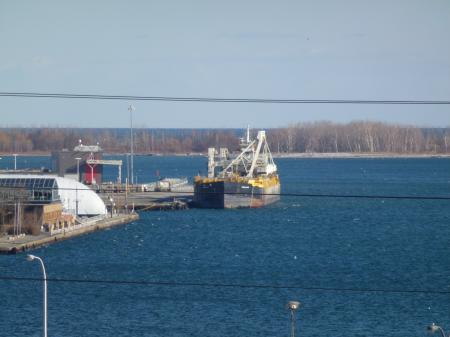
(355,137)
(360,137)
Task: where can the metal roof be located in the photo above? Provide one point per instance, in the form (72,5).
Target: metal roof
(47,188)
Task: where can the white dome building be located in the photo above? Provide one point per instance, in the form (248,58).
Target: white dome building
(89,203)
(48,188)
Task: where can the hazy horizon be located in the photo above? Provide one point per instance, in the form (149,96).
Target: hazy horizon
(137,127)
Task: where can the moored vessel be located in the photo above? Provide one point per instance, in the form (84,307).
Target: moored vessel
(249,179)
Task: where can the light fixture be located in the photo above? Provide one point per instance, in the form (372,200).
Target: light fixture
(30,257)
(293,307)
(433,328)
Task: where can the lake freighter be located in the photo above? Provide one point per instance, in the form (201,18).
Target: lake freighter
(249,179)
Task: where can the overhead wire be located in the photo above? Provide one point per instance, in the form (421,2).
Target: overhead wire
(283,194)
(237,100)
(247,100)
(219,99)
(226,285)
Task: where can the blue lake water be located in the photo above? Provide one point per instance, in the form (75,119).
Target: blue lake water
(305,242)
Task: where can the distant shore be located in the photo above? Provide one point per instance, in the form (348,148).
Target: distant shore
(361,155)
(275,155)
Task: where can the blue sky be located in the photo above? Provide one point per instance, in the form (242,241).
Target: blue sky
(319,49)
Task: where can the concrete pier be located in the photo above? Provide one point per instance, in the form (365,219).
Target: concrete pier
(147,201)
(26,242)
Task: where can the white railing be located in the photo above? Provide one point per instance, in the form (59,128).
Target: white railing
(83,223)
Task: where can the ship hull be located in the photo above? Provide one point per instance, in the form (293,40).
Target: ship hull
(226,194)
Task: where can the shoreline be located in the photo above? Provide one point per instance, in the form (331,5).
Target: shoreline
(345,155)
(293,155)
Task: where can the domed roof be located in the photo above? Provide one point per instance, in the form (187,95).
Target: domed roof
(89,203)
(68,190)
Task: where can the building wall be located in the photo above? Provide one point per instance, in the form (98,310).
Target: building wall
(64,163)
(36,218)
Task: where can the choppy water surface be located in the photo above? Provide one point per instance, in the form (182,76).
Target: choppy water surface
(312,243)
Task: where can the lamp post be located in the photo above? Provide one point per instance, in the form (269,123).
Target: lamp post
(32,258)
(78,168)
(293,307)
(111,200)
(433,328)
(15,161)
(131,108)
(78,180)
(76,202)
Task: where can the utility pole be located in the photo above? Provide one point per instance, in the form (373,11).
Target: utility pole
(126,195)
(111,200)
(15,219)
(76,202)
(127,155)
(78,169)
(131,109)
(19,219)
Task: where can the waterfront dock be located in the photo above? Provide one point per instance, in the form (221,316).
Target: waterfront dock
(26,242)
(147,201)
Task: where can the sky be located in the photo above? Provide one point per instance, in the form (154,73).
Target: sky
(316,49)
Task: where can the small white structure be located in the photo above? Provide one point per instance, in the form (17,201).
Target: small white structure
(89,203)
(48,188)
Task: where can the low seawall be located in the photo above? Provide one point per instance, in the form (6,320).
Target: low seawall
(27,242)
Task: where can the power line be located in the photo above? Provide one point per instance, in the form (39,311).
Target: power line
(302,195)
(220,100)
(226,285)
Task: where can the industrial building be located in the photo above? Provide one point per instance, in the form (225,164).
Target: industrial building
(84,164)
(74,164)
(35,203)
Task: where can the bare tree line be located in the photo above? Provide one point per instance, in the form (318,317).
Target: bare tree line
(320,137)
(359,137)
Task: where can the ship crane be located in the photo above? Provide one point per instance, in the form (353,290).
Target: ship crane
(256,155)
(93,162)
(247,179)
(244,158)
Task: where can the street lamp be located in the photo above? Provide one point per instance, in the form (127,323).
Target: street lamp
(131,108)
(78,168)
(293,307)
(15,161)
(32,258)
(433,328)
(111,200)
